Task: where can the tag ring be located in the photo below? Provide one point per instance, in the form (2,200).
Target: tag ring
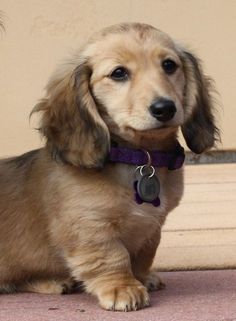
(147,166)
(149,162)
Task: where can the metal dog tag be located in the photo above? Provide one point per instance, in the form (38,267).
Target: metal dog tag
(148,188)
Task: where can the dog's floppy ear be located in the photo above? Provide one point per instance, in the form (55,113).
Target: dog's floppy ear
(71,123)
(199,129)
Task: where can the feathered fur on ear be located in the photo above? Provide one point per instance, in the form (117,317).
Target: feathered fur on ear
(71,123)
(199,129)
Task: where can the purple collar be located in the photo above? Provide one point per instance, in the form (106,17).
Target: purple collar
(172,160)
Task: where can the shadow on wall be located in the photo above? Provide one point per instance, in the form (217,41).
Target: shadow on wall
(2,20)
(212,157)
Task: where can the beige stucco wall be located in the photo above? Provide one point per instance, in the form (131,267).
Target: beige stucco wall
(40,33)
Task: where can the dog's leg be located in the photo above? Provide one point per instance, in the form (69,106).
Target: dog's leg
(152,281)
(105,269)
(141,264)
(46,286)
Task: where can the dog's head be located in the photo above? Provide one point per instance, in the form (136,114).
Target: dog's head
(131,83)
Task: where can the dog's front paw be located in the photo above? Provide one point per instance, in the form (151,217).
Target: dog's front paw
(125,298)
(153,282)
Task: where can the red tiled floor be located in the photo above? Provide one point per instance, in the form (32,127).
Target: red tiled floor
(189,296)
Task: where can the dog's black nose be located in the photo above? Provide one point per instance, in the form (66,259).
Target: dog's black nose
(163,109)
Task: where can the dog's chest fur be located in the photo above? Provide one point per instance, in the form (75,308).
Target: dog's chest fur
(106,199)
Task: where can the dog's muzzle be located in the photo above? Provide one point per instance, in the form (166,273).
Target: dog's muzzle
(163,109)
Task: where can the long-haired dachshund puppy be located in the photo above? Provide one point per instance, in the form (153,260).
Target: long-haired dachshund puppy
(90,205)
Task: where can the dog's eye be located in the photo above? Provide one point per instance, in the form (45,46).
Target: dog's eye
(169,66)
(120,74)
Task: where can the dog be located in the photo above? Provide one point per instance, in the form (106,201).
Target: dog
(68,211)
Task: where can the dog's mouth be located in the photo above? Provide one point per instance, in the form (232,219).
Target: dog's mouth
(156,129)
(155,138)
(159,128)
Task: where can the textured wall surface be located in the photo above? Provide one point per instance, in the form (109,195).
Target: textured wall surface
(40,33)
